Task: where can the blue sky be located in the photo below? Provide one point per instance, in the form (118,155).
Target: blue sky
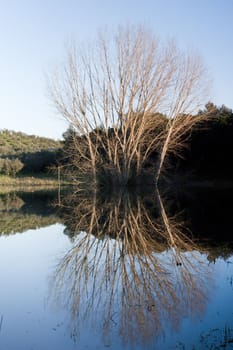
(33,34)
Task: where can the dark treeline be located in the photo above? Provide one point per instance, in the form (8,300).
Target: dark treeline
(40,162)
(209,151)
(207,154)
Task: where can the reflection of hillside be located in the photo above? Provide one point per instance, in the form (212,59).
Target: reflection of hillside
(10,201)
(129,271)
(26,211)
(17,223)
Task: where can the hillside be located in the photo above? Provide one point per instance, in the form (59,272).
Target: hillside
(14,143)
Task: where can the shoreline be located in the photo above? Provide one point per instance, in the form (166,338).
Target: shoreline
(28,183)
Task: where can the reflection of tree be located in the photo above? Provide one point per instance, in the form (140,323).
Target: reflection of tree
(128,271)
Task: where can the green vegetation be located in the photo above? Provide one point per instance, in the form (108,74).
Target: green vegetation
(16,143)
(29,156)
(10,166)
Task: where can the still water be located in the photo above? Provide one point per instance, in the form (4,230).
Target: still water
(118,273)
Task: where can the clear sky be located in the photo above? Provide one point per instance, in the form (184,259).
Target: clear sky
(33,34)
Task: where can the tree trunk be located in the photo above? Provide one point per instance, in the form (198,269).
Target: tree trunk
(163,154)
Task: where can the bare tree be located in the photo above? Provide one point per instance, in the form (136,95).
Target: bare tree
(113,91)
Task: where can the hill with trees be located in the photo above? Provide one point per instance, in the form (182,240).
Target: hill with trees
(14,143)
(24,153)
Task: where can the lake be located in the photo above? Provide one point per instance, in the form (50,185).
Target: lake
(118,271)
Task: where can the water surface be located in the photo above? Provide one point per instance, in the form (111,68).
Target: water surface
(114,273)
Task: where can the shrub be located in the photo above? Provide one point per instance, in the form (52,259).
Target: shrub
(10,167)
